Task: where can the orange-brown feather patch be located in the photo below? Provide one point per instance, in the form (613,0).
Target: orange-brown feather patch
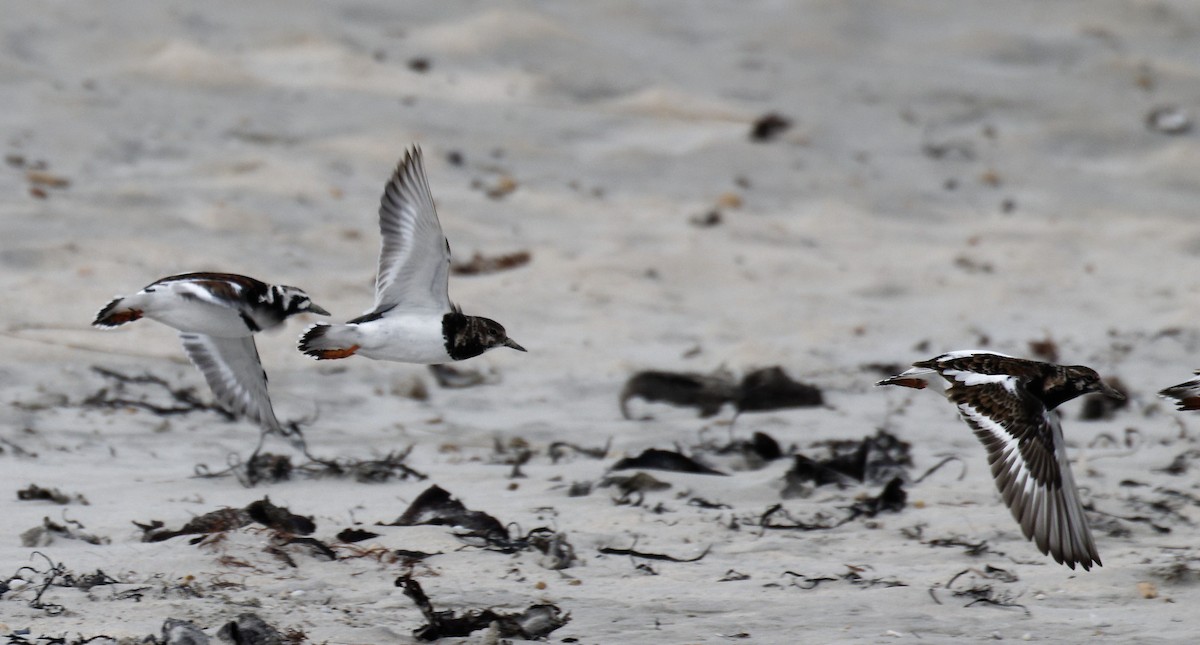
(1190,403)
(330,354)
(122,317)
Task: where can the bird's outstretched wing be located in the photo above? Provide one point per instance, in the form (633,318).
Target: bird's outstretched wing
(1028,458)
(414,261)
(234,373)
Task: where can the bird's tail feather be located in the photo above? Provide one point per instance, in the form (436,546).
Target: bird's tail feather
(324,342)
(116,313)
(1186,395)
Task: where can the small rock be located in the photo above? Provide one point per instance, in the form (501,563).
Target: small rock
(1169,119)
(182,632)
(768,127)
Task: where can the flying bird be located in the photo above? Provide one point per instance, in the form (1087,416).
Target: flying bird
(217,315)
(412,320)
(1009,403)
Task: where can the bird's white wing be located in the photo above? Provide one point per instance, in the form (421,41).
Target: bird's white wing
(233,371)
(1028,458)
(414,262)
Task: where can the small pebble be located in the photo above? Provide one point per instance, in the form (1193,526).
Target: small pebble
(1169,119)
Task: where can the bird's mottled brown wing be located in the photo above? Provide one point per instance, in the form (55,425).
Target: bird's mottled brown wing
(1028,459)
(984,363)
(219,288)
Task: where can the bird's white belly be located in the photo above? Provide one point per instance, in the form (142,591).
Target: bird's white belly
(196,316)
(405,338)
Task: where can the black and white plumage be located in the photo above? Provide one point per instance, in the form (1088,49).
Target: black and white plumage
(1186,395)
(217,315)
(1009,403)
(412,320)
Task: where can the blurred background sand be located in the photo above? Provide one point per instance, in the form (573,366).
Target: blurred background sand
(953,175)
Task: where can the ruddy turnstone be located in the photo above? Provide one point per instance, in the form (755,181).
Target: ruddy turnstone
(1186,395)
(1009,403)
(217,315)
(413,320)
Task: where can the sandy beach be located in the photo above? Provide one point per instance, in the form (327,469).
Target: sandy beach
(835,188)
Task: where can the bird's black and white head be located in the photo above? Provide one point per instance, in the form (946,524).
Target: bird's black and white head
(289,301)
(470,336)
(1070,381)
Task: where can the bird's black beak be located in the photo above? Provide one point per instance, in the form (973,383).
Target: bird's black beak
(508,342)
(313,308)
(1109,391)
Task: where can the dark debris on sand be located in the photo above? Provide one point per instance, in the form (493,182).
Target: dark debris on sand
(249,629)
(557,553)
(246,629)
(287,529)
(181,632)
(891,499)
(662,557)
(436,506)
(632,489)
(1181,569)
(759,391)
(559,450)
(141,392)
(535,623)
(266,467)
(453,377)
(768,127)
(657,459)
(853,576)
(55,574)
(636,483)
(352,535)
(707,393)
(35,492)
(771,388)
(270,468)
(881,459)
(367,471)
(760,447)
(261,511)
(743,454)
(871,460)
(974,549)
(48,531)
(980,588)
(480,264)
(1182,462)
(1160,508)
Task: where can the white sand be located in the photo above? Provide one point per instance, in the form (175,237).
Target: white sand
(255,138)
